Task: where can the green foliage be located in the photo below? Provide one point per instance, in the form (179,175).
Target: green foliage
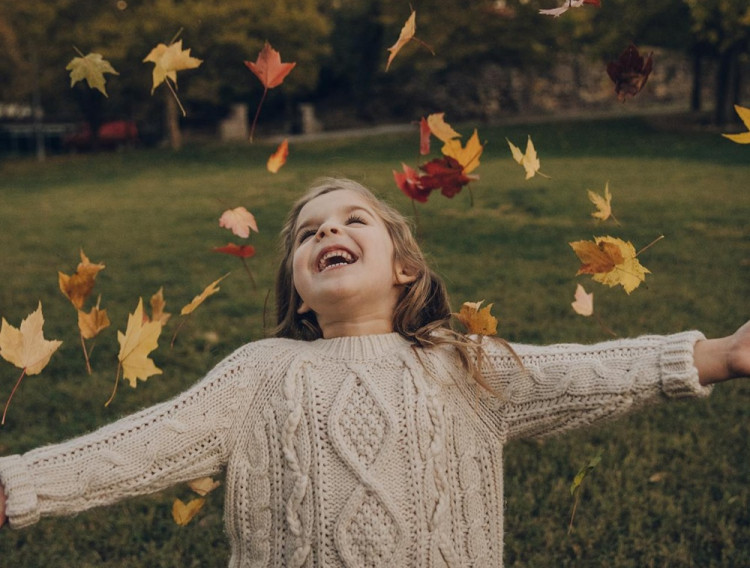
(157,219)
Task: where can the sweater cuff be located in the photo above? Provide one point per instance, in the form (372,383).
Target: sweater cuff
(21,506)
(679,375)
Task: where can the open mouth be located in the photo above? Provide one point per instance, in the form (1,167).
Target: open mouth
(335,259)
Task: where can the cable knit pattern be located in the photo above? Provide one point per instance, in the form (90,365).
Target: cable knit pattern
(353,451)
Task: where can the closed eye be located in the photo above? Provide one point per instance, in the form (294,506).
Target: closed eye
(355,219)
(304,235)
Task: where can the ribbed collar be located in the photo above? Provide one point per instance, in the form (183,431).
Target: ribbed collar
(359,347)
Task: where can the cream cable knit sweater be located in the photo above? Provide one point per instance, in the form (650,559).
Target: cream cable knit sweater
(352,451)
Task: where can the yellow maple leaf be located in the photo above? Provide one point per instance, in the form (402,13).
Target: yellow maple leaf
(477,320)
(441,129)
(79,286)
(168,60)
(529,160)
(92,68)
(183,513)
(200,298)
(204,485)
(743,137)
(25,347)
(603,204)
(610,261)
(140,338)
(157,308)
(407,33)
(90,324)
(583,303)
(467,156)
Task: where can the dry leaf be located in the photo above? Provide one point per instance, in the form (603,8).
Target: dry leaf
(528,160)
(424,136)
(477,320)
(92,68)
(603,203)
(203,486)
(278,158)
(241,251)
(467,156)
(584,303)
(183,514)
(630,72)
(157,308)
(610,261)
(407,33)
(79,286)
(269,68)
(238,220)
(25,347)
(200,298)
(92,323)
(139,339)
(743,137)
(168,60)
(441,129)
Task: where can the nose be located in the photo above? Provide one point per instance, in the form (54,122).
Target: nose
(327,229)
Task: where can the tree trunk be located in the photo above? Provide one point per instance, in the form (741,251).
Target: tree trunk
(172,120)
(726,83)
(696,100)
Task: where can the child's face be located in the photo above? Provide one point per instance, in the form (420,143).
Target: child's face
(343,266)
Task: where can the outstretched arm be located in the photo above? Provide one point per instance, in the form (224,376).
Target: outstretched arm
(724,358)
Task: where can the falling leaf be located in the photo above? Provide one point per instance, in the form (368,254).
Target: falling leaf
(26,348)
(92,68)
(569,4)
(584,303)
(238,220)
(157,307)
(467,156)
(630,72)
(241,251)
(168,60)
(424,136)
(603,204)
(79,286)
(743,137)
(441,129)
(271,72)
(210,290)
(610,261)
(278,158)
(92,323)
(575,486)
(183,514)
(406,35)
(139,339)
(269,68)
(445,174)
(204,485)
(528,160)
(477,320)
(410,184)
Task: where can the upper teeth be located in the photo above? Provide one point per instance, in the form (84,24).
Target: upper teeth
(323,262)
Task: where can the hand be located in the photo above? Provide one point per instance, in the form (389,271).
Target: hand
(724,358)
(3,518)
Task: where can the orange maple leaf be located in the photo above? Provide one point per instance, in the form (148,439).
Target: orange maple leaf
(278,158)
(79,286)
(477,320)
(271,72)
(157,308)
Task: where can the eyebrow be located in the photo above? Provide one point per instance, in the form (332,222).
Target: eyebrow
(348,211)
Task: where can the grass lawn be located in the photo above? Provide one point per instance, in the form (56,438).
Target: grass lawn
(671,489)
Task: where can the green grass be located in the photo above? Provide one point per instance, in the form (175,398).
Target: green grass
(151,217)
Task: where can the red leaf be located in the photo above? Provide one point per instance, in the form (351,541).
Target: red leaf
(445,173)
(241,251)
(424,137)
(630,72)
(269,68)
(410,183)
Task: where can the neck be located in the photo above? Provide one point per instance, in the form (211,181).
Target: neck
(352,327)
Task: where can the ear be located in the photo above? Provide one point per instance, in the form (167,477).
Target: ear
(402,275)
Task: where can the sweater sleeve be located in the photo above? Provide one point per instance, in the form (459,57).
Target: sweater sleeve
(561,387)
(175,441)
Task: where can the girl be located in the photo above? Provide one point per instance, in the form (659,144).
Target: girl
(367,433)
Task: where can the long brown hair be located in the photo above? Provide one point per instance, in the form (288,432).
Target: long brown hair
(422,314)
